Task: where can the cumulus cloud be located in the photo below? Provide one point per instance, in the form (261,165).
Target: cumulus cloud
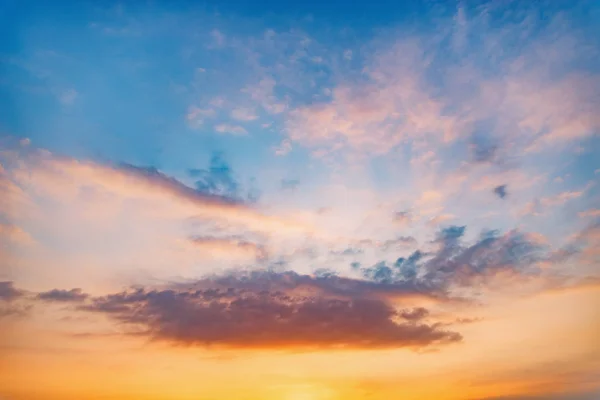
(286,309)
(272,310)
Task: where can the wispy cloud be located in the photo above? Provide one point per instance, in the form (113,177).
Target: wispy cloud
(68,97)
(231,129)
(196,116)
(243,114)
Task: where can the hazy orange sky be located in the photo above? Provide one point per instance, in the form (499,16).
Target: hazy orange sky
(305,201)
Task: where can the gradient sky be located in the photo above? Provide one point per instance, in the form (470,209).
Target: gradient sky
(306,201)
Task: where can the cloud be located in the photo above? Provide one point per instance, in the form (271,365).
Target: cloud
(539,206)
(243,114)
(432,90)
(586,245)
(438,219)
(218,38)
(591,213)
(400,242)
(232,129)
(68,97)
(57,295)
(483,149)
(289,184)
(14,234)
(284,147)
(415,314)
(229,246)
(8,292)
(9,300)
(104,189)
(217,179)
(212,189)
(268,310)
(196,116)
(403,218)
(455,265)
(264,94)
(500,191)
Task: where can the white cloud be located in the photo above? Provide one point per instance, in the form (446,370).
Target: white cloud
(196,116)
(68,97)
(243,114)
(218,38)
(284,148)
(232,129)
(263,93)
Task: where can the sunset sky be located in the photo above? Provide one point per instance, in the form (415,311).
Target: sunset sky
(305,200)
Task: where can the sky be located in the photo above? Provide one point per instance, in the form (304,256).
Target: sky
(299,200)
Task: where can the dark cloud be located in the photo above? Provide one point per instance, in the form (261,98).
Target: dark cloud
(274,309)
(9,300)
(455,263)
(271,310)
(380,272)
(407,267)
(8,292)
(157,178)
(73,295)
(329,285)
(451,233)
(459,263)
(218,180)
(415,314)
(500,191)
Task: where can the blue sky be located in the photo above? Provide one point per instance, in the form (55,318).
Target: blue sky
(160,143)
(451,91)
